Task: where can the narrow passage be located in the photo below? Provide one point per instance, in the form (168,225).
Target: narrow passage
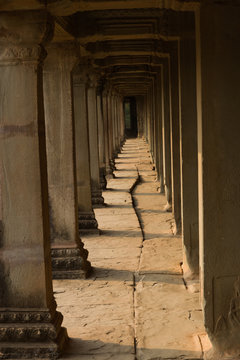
(135,306)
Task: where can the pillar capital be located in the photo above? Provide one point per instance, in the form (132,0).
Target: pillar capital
(106,89)
(80,76)
(64,55)
(94,78)
(23,35)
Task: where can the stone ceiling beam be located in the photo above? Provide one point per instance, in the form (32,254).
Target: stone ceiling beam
(69,7)
(114,60)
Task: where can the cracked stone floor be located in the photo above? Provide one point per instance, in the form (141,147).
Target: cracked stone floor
(135,306)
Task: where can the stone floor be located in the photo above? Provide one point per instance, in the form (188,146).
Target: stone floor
(136,305)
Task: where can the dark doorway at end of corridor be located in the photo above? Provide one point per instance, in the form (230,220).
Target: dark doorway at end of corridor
(130,115)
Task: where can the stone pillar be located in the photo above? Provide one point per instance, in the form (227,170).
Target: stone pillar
(151,120)
(110,131)
(159,141)
(30,326)
(154,124)
(145,117)
(140,115)
(218,92)
(188,151)
(97,199)
(119,111)
(122,125)
(166,134)
(108,170)
(175,137)
(117,132)
(113,116)
(69,259)
(148,133)
(86,217)
(101,141)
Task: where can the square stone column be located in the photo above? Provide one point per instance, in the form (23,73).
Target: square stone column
(110,129)
(218,93)
(188,147)
(154,123)
(30,326)
(145,117)
(122,124)
(117,129)
(174,133)
(69,259)
(166,114)
(159,138)
(140,115)
(86,217)
(113,117)
(97,199)
(148,111)
(101,140)
(151,120)
(108,170)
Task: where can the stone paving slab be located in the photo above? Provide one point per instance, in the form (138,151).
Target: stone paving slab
(114,242)
(101,340)
(101,357)
(120,198)
(120,252)
(162,255)
(123,264)
(165,328)
(123,221)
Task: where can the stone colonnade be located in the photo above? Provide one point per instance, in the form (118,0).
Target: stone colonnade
(54,150)
(198,165)
(62,125)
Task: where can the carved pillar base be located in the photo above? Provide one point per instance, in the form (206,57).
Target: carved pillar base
(177,228)
(109,172)
(112,165)
(97,199)
(31,334)
(70,262)
(87,223)
(103,181)
(161,189)
(123,141)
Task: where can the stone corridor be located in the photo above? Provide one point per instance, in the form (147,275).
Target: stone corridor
(136,305)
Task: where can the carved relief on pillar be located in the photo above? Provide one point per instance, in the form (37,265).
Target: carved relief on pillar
(21,42)
(14,55)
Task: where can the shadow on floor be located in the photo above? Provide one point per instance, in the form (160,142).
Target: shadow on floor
(130,170)
(147,194)
(77,349)
(125,177)
(119,206)
(131,233)
(120,190)
(166,277)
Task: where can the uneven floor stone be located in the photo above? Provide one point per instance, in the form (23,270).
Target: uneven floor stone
(135,306)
